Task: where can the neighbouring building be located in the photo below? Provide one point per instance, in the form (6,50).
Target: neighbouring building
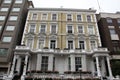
(109,28)
(12,20)
(61,43)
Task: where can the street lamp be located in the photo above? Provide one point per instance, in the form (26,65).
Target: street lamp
(80,70)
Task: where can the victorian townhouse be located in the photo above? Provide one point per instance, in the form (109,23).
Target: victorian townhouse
(61,43)
(109,27)
(12,20)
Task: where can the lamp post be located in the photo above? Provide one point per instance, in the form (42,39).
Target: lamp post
(80,70)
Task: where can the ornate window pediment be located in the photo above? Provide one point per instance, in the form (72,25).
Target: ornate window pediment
(29,35)
(70,36)
(92,37)
(42,36)
(53,37)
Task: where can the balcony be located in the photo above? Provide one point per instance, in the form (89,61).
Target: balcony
(22,47)
(54,75)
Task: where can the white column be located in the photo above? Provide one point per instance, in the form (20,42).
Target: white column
(98,67)
(38,67)
(18,64)
(84,68)
(50,63)
(72,62)
(13,66)
(25,67)
(109,68)
(103,70)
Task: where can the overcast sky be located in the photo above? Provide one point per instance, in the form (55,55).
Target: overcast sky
(105,5)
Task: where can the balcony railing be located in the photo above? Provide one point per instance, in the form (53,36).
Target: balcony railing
(22,47)
(65,51)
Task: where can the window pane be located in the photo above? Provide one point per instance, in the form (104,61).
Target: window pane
(52,44)
(41,44)
(29,43)
(16,9)
(2,17)
(7,1)
(42,29)
(4,9)
(0,28)
(54,16)
(80,29)
(44,64)
(109,20)
(79,18)
(90,29)
(88,18)
(69,28)
(3,51)
(44,16)
(81,45)
(34,17)
(32,28)
(112,31)
(7,39)
(53,28)
(118,20)
(18,1)
(14,18)
(69,17)
(93,44)
(10,28)
(70,44)
(78,63)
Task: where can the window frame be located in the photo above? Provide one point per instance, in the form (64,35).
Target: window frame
(44,63)
(2,18)
(7,40)
(12,16)
(91,31)
(78,18)
(41,29)
(78,63)
(81,30)
(72,30)
(31,25)
(18,1)
(5,9)
(52,17)
(53,45)
(10,28)
(15,9)
(69,18)
(43,17)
